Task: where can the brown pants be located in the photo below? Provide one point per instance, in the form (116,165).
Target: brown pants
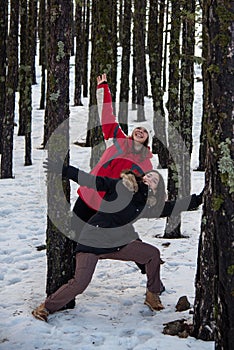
(136,251)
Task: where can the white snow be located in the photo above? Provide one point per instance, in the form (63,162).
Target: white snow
(111,313)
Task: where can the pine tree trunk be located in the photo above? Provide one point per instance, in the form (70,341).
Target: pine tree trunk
(172,229)
(125,67)
(102,61)
(155,39)
(42,23)
(3,63)
(59,247)
(139,42)
(214,306)
(86,25)
(11,86)
(79,55)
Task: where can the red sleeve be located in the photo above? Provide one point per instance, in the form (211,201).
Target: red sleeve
(110,127)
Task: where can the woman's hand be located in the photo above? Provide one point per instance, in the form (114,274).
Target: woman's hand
(101,79)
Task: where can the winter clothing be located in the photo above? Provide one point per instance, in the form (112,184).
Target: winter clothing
(117,157)
(109,234)
(137,251)
(41,313)
(153,301)
(111,227)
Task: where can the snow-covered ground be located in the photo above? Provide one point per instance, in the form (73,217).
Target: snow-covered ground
(111,313)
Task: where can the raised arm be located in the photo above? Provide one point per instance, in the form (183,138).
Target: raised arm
(110,127)
(98,183)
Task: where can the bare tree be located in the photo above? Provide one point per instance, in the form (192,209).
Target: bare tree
(3,63)
(11,86)
(59,247)
(214,307)
(125,65)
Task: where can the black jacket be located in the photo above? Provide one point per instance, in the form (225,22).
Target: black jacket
(112,226)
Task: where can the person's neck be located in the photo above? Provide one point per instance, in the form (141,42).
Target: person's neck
(137,146)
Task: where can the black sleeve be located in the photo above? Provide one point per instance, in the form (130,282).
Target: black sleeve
(185,204)
(98,183)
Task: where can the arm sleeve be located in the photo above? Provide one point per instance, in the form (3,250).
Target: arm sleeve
(110,127)
(98,183)
(185,204)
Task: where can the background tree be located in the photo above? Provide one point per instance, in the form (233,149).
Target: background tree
(86,31)
(125,26)
(214,306)
(11,86)
(205,109)
(23,65)
(104,40)
(187,90)
(42,24)
(59,247)
(155,47)
(172,229)
(139,54)
(3,63)
(79,56)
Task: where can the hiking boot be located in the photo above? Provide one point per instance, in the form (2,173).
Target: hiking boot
(153,301)
(41,313)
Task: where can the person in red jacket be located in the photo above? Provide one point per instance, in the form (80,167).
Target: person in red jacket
(127,152)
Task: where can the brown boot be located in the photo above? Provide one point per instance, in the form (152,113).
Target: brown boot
(153,301)
(41,313)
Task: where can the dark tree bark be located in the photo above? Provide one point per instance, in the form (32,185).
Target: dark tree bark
(3,63)
(86,25)
(102,61)
(214,306)
(165,46)
(32,36)
(125,67)
(187,89)
(11,86)
(25,79)
(59,247)
(172,229)
(139,53)
(22,72)
(155,40)
(42,24)
(79,57)
(205,55)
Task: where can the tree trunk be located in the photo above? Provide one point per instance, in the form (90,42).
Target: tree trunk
(42,24)
(205,55)
(155,39)
(79,54)
(86,25)
(139,42)
(3,63)
(59,247)
(214,306)
(175,143)
(11,86)
(125,67)
(187,90)
(102,61)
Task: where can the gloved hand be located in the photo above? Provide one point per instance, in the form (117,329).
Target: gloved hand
(55,167)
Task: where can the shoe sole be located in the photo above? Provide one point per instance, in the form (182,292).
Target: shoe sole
(151,308)
(39,317)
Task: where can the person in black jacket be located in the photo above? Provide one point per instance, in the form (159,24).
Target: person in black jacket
(110,234)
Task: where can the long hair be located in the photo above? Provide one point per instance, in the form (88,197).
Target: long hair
(157,199)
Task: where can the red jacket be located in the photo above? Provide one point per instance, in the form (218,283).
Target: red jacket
(117,157)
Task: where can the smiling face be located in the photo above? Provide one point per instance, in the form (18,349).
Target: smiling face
(140,134)
(151,179)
